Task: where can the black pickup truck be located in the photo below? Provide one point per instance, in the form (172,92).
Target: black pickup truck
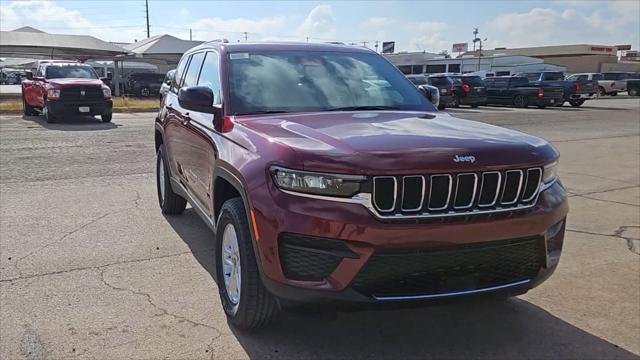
(517,91)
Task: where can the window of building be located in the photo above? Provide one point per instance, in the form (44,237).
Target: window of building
(417,69)
(405,69)
(434,69)
(454,68)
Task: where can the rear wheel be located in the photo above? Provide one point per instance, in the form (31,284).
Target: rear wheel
(441,107)
(246,302)
(542,106)
(455,101)
(145,92)
(170,202)
(576,103)
(520,101)
(633,92)
(602,91)
(106,117)
(613,93)
(475,105)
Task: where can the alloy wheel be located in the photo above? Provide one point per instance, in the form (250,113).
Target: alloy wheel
(231,267)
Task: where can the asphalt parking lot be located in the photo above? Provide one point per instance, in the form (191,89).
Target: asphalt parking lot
(90,268)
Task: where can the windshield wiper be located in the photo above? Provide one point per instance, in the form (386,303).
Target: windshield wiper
(363,108)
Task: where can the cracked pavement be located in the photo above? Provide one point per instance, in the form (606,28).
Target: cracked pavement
(89,268)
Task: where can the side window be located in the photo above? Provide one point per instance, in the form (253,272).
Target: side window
(489,82)
(40,71)
(177,78)
(501,83)
(191,76)
(210,75)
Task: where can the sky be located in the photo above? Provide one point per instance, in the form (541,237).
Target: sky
(431,26)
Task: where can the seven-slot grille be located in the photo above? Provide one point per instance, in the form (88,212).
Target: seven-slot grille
(76,93)
(456,193)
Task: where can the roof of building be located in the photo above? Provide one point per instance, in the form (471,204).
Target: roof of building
(44,45)
(555,50)
(161,44)
(28,29)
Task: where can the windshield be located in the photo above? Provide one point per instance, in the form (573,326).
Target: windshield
(71,71)
(293,81)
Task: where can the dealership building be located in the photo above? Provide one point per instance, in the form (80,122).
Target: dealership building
(500,65)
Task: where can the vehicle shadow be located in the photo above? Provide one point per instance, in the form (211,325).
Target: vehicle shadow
(475,329)
(73,123)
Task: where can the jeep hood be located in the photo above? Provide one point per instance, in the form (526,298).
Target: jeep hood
(72,82)
(400,142)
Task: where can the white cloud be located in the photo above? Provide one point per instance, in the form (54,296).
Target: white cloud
(378,22)
(320,22)
(434,42)
(426,26)
(544,26)
(257,29)
(628,10)
(184,12)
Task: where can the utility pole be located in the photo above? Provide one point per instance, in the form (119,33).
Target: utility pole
(146,5)
(245,36)
(190,34)
(307,39)
(475,36)
(364,43)
(377,45)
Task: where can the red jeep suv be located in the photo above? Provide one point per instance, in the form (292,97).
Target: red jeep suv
(326,176)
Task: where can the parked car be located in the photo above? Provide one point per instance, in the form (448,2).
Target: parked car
(65,88)
(164,88)
(431,92)
(589,78)
(613,83)
(468,90)
(516,91)
(633,87)
(13,79)
(576,92)
(332,183)
(144,84)
(445,87)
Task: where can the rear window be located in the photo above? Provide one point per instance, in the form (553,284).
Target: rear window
(615,76)
(554,76)
(418,80)
(473,80)
(439,81)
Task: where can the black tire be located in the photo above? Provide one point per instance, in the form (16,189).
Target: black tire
(27,109)
(171,203)
(475,105)
(106,118)
(520,101)
(256,307)
(633,92)
(442,107)
(145,91)
(48,115)
(455,101)
(613,93)
(601,91)
(576,103)
(542,106)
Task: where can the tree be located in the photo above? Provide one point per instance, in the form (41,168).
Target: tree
(445,53)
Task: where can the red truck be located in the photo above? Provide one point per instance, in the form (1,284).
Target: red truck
(65,88)
(327,177)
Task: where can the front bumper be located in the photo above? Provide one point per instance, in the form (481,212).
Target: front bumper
(367,237)
(96,107)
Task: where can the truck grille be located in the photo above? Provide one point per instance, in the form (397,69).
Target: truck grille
(75,93)
(455,194)
(446,270)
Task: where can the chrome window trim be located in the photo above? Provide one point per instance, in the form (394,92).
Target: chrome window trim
(424,185)
(446,205)
(395,193)
(473,195)
(506,176)
(499,184)
(526,184)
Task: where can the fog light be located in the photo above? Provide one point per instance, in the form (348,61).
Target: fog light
(554,238)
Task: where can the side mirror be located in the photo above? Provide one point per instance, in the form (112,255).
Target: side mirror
(29,75)
(197,98)
(425,92)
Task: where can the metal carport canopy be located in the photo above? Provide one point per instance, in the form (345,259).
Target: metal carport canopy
(56,46)
(161,48)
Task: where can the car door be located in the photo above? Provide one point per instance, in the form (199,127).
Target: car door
(188,141)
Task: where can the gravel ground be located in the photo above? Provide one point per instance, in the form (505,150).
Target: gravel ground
(89,267)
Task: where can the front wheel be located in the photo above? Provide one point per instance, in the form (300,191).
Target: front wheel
(576,103)
(27,109)
(475,105)
(601,91)
(455,101)
(48,115)
(106,117)
(633,92)
(170,202)
(145,92)
(246,302)
(614,93)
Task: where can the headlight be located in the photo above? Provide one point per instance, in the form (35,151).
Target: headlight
(106,92)
(550,174)
(317,183)
(53,93)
